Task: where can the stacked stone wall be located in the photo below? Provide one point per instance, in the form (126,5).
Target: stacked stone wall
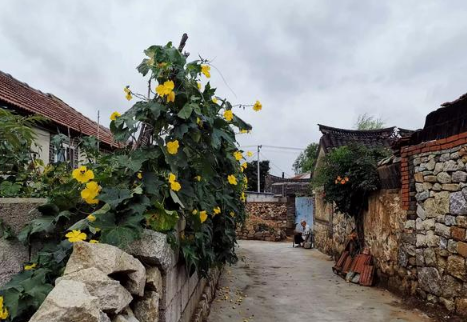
(438,197)
(266,221)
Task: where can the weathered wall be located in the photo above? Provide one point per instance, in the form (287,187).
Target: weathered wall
(15,214)
(439,197)
(148,282)
(266,221)
(390,240)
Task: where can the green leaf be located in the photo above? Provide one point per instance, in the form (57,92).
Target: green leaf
(114,196)
(186,111)
(176,199)
(119,236)
(80,225)
(162,220)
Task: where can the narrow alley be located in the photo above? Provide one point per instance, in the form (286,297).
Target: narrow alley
(275,282)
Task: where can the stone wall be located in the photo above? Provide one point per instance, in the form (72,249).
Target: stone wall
(266,221)
(391,242)
(15,213)
(147,283)
(440,221)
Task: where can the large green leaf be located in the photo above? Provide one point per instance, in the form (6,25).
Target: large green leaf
(119,236)
(162,220)
(114,196)
(186,111)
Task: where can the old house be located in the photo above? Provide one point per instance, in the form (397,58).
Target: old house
(331,229)
(22,99)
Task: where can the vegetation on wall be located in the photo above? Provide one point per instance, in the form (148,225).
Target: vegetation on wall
(306,160)
(179,160)
(348,174)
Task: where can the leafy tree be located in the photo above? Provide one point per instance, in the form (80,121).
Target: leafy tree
(368,122)
(16,139)
(251,173)
(306,160)
(178,159)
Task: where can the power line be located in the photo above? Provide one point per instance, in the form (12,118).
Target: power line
(274,147)
(273,164)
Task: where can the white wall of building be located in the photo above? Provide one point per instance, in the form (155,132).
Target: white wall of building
(42,144)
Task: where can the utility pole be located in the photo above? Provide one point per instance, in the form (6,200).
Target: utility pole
(257,166)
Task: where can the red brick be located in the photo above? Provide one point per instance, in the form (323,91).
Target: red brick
(463,135)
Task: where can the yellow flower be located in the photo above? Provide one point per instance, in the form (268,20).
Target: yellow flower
(243,131)
(172,178)
(75,236)
(171,97)
(242,197)
(238,155)
(90,192)
(203,216)
(217,210)
(128,96)
(93,241)
(139,175)
(228,115)
(82,174)
(126,90)
(198,121)
(3,310)
(214,100)
(91,218)
(232,214)
(114,116)
(244,165)
(166,88)
(172,147)
(249,154)
(205,69)
(258,106)
(29,267)
(232,179)
(194,212)
(175,186)
(91,201)
(199,85)
(198,178)
(245,179)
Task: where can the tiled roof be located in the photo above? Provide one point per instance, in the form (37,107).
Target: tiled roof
(20,95)
(334,137)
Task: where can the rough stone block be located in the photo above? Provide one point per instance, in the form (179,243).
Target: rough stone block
(459,176)
(450,220)
(110,260)
(154,279)
(450,186)
(450,166)
(442,230)
(153,249)
(448,304)
(456,267)
(13,255)
(436,187)
(458,233)
(421,212)
(147,308)
(462,249)
(442,177)
(457,203)
(461,306)
(430,280)
(69,301)
(431,179)
(452,246)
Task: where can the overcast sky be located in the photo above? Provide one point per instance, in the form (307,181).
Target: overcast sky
(307,61)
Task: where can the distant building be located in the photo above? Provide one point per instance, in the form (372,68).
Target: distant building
(22,99)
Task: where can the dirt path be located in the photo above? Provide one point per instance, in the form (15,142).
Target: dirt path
(276,282)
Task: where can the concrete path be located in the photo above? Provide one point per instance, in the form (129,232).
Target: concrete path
(276,282)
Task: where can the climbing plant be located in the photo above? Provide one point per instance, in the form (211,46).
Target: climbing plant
(177,159)
(348,174)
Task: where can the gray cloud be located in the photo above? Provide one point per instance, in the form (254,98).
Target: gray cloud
(309,62)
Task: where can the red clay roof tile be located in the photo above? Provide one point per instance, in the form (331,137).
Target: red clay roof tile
(24,97)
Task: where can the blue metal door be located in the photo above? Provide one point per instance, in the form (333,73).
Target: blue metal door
(304,210)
